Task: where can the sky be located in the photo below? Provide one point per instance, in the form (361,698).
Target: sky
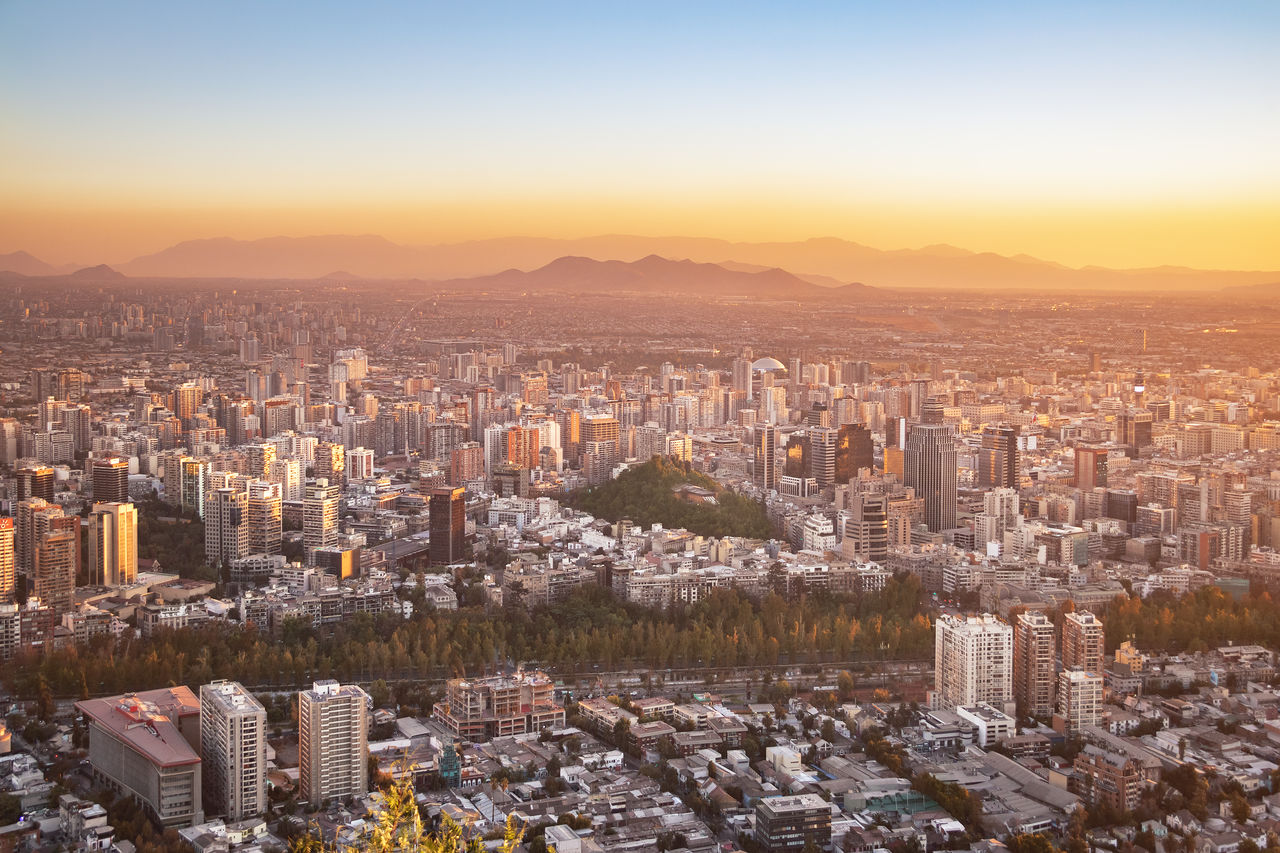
(1117,134)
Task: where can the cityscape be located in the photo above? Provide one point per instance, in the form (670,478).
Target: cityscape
(492,536)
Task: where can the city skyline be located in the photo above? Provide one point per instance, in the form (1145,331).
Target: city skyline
(1130,137)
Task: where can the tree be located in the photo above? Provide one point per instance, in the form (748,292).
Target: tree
(10,809)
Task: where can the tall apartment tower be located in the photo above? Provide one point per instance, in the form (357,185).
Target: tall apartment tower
(8,574)
(30,523)
(1083,642)
(264,509)
(320,515)
(930,461)
(57,563)
(226,526)
(233,747)
(330,462)
(764,463)
(194,486)
(973,661)
(333,733)
(998,457)
(867,528)
(1033,664)
(1079,701)
(447,523)
(110,480)
(113,544)
(34,481)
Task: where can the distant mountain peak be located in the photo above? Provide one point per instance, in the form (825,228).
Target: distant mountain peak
(101,272)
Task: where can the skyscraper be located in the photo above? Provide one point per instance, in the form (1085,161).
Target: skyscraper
(30,523)
(233,751)
(330,462)
(998,458)
(333,732)
(57,562)
(764,460)
(854,451)
(1091,466)
(1079,701)
(1083,642)
(1134,428)
(8,575)
(930,468)
(320,515)
(110,480)
(113,544)
(35,481)
(867,529)
(226,526)
(264,510)
(1033,664)
(973,661)
(447,522)
(824,442)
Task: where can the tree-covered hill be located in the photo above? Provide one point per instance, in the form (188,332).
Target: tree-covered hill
(648,493)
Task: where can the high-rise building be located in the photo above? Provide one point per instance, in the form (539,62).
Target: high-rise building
(113,544)
(866,530)
(110,480)
(998,458)
(333,736)
(264,510)
(603,429)
(796,458)
(1091,466)
(973,661)
(288,473)
(57,564)
(8,574)
(824,442)
(855,450)
(34,481)
(194,486)
(30,523)
(226,525)
(466,463)
(793,824)
(359,463)
(330,462)
(320,515)
(1134,428)
(1083,642)
(447,522)
(930,463)
(1079,701)
(233,751)
(1033,664)
(764,463)
(259,458)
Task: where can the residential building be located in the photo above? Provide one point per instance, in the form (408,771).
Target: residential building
(333,735)
(233,751)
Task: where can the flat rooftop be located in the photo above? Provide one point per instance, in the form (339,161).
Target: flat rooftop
(145,722)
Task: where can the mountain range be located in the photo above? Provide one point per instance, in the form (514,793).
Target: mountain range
(826,261)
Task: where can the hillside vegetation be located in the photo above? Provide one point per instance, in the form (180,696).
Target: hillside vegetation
(646,494)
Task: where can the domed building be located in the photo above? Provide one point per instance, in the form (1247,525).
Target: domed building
(766,364)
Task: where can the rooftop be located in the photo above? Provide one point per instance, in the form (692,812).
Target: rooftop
(145,722)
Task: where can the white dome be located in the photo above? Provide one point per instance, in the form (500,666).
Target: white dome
(766,364)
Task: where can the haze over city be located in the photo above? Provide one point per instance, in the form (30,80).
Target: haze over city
(591,428)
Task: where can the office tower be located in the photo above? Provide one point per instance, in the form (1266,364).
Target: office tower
(184,401)
(1083,642)
(226,526)
(795,457)
(823,445)
(466,463)
(195,484)
(259,457)
(8,574)
(1079,701)
(973,661)
(1033,664)
(110,480)
(10,435)
(998,458)
(233,751)
(742,376)
(333,733)
(34,481)
(867,528)
(1122,505)
(930,468)
(793,824)
(1134,428)
(1237,509)
(145,743)
(264,511)
(320,515)
(447,522)
(855,450)
(57,563)
(288,473)
(1091,466)
(330,462)
(764,464)
(113,544)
